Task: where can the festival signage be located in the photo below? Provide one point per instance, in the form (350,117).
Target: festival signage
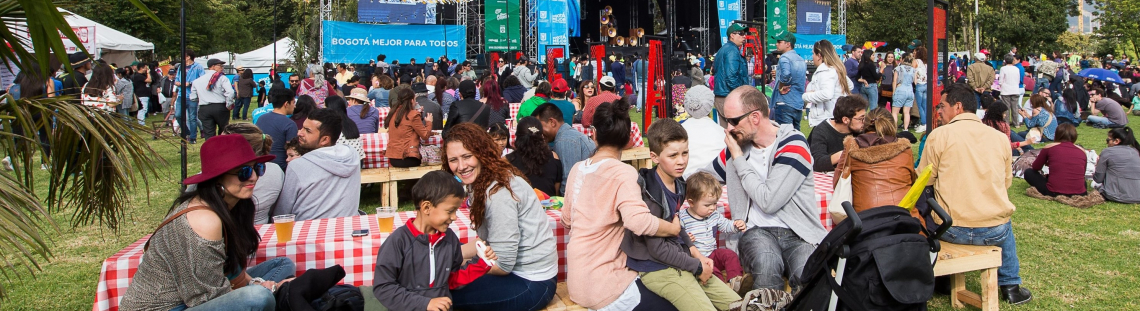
(813,17)
(726,12)
(502,28)
(395,11)
(777,20)
(553,31)
(574,19)
(346,42)
(804,43)
(86,36)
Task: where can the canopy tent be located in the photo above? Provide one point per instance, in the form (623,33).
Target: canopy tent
(261,60)
(224,56)
(111,45)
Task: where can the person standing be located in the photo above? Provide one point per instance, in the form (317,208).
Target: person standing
(1010,78)
(790,75)
(904,90)
(617,68)
(166,90)
(215,97)
(980,76)
(828,84)
(971,177)
(125,89)
(73,82)
(245,87)
(871,75)
(731,68)
(920,90)
(141,80)
(277,124)
(189,121)
(639,80)
(852,66)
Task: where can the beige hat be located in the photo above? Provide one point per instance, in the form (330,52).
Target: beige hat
(359,94)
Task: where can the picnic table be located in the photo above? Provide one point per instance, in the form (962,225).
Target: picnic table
(321,243)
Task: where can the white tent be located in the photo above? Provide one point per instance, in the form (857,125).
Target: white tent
(111,45)
(261,60)
(224,56)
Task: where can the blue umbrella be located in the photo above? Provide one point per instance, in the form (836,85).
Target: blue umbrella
(1101,74)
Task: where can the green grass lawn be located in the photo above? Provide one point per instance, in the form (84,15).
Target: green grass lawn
(1070,258)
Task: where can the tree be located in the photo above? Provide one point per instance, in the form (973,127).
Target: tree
(1119,25)
(870,21)
(95,156)
(1029,25)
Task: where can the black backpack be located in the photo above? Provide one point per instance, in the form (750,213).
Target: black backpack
(340,298)
(888,265)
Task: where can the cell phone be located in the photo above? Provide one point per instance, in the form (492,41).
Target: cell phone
(361,232)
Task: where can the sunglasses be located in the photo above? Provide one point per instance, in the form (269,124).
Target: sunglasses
(244,173)
(736,120)
(294,81)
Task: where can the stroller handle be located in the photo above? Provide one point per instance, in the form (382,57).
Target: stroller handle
(946,220)
(856,223)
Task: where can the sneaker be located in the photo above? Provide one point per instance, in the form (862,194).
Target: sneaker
(920,128)
(8,163)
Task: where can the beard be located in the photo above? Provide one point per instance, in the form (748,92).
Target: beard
(742,139)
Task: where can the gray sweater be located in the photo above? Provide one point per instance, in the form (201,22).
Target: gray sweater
(1119,170)
(266,191)
(325,183)
(788,192)
(518,230)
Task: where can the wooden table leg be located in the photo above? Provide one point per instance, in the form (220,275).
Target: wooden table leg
(989,290)
(957,285)
(393,197)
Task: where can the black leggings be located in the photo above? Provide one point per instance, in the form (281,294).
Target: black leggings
(405,162)
(1035,179)
(651,301)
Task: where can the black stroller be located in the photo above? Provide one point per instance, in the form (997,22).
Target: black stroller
(881,259)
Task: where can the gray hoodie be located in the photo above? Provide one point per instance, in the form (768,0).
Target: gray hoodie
(325,183)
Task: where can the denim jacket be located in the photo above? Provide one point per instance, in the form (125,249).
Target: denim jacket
(791,71)
(1045,120)
(731,70)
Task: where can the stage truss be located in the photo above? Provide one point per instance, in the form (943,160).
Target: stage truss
(704,28)
(531,43)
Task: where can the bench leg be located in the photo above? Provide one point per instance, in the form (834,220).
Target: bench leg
(989,290)
(957,288)
(393,197)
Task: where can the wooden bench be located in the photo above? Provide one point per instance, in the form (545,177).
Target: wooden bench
(956,259)
(638,157)
(562,301)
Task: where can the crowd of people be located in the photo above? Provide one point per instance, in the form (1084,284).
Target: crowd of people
(638,239)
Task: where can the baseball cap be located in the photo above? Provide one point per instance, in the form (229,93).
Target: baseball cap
(784,36)
(172,71)
(214,61)
(608,81)
(559,86)
(735,28)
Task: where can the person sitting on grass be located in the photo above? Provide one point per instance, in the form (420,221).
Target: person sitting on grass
(1066,163)
(1041,116)
(995,117)
(201,251)
(1118,167)
(702,221)
(1106,113)
(421,262)
(672,266)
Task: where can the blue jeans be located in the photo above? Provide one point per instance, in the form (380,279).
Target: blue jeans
(242,105)
(190,122)
(252,297)
(871,92)
(920,101)
(507,292)
(771,253)
(1001,236)
(1099,120)
(784,114)
(640,89)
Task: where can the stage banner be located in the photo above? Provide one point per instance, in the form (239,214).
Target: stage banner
(86,35)
(727,11)
(777,20)
(813,17)
(804,43)
(574,17)
(553,31)
(355,43)
(502,25)
(395,11)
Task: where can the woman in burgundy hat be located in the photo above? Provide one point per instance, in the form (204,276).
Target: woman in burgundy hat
(201,250)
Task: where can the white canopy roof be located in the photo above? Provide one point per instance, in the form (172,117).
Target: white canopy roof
(106,37)
(261,60)
(224,56)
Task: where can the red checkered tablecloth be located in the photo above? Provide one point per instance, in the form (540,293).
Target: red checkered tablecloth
(376,144)
(316,244)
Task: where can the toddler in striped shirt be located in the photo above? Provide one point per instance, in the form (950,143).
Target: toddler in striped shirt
(702,221)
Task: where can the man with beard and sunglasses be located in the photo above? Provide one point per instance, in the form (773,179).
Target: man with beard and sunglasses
(768,171)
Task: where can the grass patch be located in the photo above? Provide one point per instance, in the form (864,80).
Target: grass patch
(1070,258)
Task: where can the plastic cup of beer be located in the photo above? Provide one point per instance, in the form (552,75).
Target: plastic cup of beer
(385,215)
(284,226)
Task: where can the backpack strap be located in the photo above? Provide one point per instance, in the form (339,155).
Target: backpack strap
(172,218)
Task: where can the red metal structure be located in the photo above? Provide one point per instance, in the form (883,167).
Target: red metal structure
(552,56)
(655,91)
(936,38)
(598,52)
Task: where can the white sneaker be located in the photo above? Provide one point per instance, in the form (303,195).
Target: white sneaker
(920,128)
(8,163)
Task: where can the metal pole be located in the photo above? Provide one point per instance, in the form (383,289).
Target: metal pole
(977,29)
(182,89)
(273,67)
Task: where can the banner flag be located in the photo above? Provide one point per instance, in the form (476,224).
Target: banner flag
(726,12)
(356,43)
(502,25)
(553,31)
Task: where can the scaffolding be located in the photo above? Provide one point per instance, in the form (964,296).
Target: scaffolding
(842,17)
(471,15)
(530,46)
(704,27)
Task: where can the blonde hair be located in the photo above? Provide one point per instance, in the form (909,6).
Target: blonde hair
(882,122)
(826,51)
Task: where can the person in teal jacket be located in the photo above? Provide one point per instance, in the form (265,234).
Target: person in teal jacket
(731,68)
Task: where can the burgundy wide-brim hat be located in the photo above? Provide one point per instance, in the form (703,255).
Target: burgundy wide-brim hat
(220,154)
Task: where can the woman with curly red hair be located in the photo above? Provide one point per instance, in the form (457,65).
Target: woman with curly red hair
(507,215)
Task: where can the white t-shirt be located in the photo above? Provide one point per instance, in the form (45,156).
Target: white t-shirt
(758,157)
(920,72)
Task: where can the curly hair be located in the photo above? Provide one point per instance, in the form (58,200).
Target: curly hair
(494,169)
(530,146)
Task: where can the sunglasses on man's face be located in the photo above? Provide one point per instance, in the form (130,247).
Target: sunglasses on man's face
(294,81)
(736,120)
(244,173)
